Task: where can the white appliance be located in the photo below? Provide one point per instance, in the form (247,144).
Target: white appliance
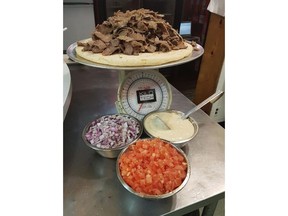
(218,108)
(78,17)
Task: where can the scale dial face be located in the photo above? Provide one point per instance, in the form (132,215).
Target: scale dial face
(142,92)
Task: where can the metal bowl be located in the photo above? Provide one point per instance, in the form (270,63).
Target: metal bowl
(149,196)
(112,152)
(179,143)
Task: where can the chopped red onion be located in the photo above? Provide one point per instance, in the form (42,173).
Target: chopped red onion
(112,131)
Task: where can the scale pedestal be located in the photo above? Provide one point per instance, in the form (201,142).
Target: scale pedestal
(141,89)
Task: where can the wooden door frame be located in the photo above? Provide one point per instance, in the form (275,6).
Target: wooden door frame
(212,61)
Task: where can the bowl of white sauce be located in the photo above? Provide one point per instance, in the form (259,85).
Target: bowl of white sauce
(170,126)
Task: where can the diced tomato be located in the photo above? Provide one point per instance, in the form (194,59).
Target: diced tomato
(152,166)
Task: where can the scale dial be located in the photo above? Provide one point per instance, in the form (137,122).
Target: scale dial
(142,92)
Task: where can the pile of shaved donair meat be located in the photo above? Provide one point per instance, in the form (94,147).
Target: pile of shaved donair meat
(134,32)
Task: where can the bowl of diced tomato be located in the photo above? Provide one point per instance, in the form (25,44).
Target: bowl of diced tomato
(109,134)
(153,168)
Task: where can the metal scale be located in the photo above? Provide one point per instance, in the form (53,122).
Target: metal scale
(141,89)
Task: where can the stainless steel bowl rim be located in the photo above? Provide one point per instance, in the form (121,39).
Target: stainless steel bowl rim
(149,196)
(194,123)
(117,148)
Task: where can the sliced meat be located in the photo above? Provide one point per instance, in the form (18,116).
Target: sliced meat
(152,25)
(164,46)
(115,42)
(174,40)
(137,36)
(134,32)
(100,44)
(79,43)
(137,47)
(125,38)
(173,33)
(180,45)
(136,44)
(104,38)
(133,21)
(110,50)
(150,48)
(97,50)
(104,28)
(123,31)
(141,27)
(163,30)
(128,49)
(87,48)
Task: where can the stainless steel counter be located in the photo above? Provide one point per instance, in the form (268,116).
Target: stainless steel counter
(91,186)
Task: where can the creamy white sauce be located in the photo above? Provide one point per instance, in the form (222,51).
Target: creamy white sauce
(179,129)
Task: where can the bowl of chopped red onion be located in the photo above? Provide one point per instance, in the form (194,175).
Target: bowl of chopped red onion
(153,168)
(109,134)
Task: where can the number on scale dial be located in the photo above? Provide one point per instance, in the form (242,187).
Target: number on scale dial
(142,92)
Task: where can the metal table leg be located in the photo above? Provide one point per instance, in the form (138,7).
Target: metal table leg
(209,209)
